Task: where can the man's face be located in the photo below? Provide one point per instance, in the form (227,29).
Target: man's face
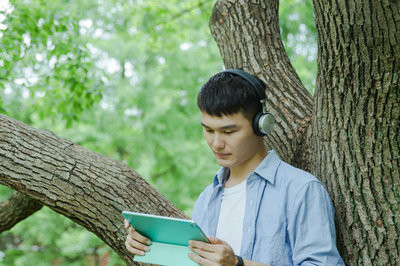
(231,138)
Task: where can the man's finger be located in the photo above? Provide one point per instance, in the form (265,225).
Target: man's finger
(201,245)
(133,250)
(198,259)
(130,229)
(204,254)
(138,237)
(126,224)
(137,245)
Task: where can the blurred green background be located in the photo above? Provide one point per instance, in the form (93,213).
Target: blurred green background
(120,78)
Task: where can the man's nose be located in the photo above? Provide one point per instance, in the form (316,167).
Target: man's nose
(218,141)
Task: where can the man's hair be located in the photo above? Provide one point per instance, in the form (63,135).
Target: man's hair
(227,94)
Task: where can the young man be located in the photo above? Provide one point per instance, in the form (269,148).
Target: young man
(258,210)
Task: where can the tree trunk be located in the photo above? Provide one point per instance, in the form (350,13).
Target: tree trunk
(356,124)
(86,187)
(352,144)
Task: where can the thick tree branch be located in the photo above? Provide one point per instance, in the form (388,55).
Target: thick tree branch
(86,187)
(248,37)
(16,208)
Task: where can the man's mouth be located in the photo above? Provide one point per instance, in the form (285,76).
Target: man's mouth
(222,155)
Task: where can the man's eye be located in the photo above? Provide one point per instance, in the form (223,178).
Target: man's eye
(228,132)
(209,130)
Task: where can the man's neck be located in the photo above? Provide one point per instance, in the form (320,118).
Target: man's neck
(241,172)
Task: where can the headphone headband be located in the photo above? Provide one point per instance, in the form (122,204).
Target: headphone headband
(263,122)
(254,82)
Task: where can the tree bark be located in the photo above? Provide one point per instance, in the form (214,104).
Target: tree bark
(86,187)
(356,124)
(348,135)
(16,208)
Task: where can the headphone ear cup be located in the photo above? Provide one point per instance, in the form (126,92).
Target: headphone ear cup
(256,128)
(263,124)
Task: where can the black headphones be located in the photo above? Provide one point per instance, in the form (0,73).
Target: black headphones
(263,122)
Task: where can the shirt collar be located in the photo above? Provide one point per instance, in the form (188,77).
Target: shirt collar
(221,176)
(266,169)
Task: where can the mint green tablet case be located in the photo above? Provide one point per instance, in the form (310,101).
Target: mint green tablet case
(169,238)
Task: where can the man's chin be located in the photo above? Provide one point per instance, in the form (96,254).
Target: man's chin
(224,163)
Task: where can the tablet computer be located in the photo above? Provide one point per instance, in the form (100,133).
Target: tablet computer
(169,236)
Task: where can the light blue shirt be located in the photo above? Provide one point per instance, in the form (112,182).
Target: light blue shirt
(288,220)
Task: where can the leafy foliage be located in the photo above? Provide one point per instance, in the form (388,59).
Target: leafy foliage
(120,78)
(44,57)
(296,19)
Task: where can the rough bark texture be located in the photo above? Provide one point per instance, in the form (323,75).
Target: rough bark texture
(16,208)
(86,187)
(248,37)
(351,138)
(356,124)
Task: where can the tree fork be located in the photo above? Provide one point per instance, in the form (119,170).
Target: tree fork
(248,37)
(86,187)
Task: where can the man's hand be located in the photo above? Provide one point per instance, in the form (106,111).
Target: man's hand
(135,243)
(218,252)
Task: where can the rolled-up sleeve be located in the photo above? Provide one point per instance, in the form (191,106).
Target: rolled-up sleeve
(311,227)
